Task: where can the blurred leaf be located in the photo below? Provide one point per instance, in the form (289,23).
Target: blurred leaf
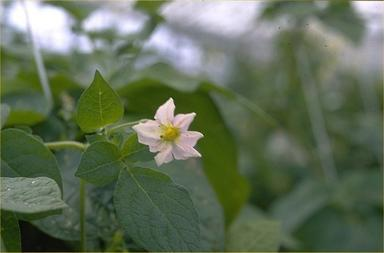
(39,196)
(342,231)
(250,232)
(98,106)
(27,108)
(360,190)
(341,17)
(218,149)
(150,7)
(100,163)
(296,207)
(27,156)
(158,214)
(297,10)
(78,9)
(4,114)
(10,233)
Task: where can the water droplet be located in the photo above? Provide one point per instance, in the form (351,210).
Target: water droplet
(33,182)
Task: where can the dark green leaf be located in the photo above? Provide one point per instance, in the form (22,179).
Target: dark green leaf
(132,151)
(156,213)
(100,163)
(190,175)
(10,233)
(40,195)
(98,106)
(79,10)
(26,156)
(219,154)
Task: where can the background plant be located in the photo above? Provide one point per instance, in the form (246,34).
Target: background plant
(312,163)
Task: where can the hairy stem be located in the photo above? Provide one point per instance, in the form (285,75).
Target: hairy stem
(123,125)
(65,144)
(38,59)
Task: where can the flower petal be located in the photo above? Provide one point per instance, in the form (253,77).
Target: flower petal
(182,152)
(148,133)
(164,156)
(189,138)
(183,121)
(165,112)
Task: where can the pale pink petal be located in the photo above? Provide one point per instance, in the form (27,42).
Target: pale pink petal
(182,152)
(165,155)
(189,138)
(149,132)
(157,146)
(183,121)
(165,113)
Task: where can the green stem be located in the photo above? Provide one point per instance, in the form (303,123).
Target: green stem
(78,145)
(65,144)
(83,241)
(123,125)
(38,60)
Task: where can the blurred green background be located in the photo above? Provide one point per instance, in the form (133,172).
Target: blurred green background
(306,112)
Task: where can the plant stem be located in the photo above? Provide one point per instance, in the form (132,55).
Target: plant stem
(66,144)
(83,241)
(38,60)
(316,116)
(78,145)
(123,125)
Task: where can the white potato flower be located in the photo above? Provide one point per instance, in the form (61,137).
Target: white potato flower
(169,135)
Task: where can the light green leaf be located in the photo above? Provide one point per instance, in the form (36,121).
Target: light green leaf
(10,233)
(27,108)
(218,149)
(26,156)
(40,195)
(4,114)
(156,213)
(98,106)
(100,163)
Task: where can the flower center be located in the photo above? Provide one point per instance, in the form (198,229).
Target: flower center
(169,133)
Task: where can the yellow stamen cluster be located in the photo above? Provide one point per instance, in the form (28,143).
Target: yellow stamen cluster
(169,133)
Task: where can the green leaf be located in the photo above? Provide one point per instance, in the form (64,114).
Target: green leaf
(132,151)
(299,205)
(100,163)
(190,175)
(40,195)
(79,10)
(10,233)
(98,106)
(4,114)
(26,156)
(66,225)
(252,233)
(27,108)
(156,213)
(218,149)
(151,7)
(341,17)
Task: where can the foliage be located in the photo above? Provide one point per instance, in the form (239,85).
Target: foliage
(261,184)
